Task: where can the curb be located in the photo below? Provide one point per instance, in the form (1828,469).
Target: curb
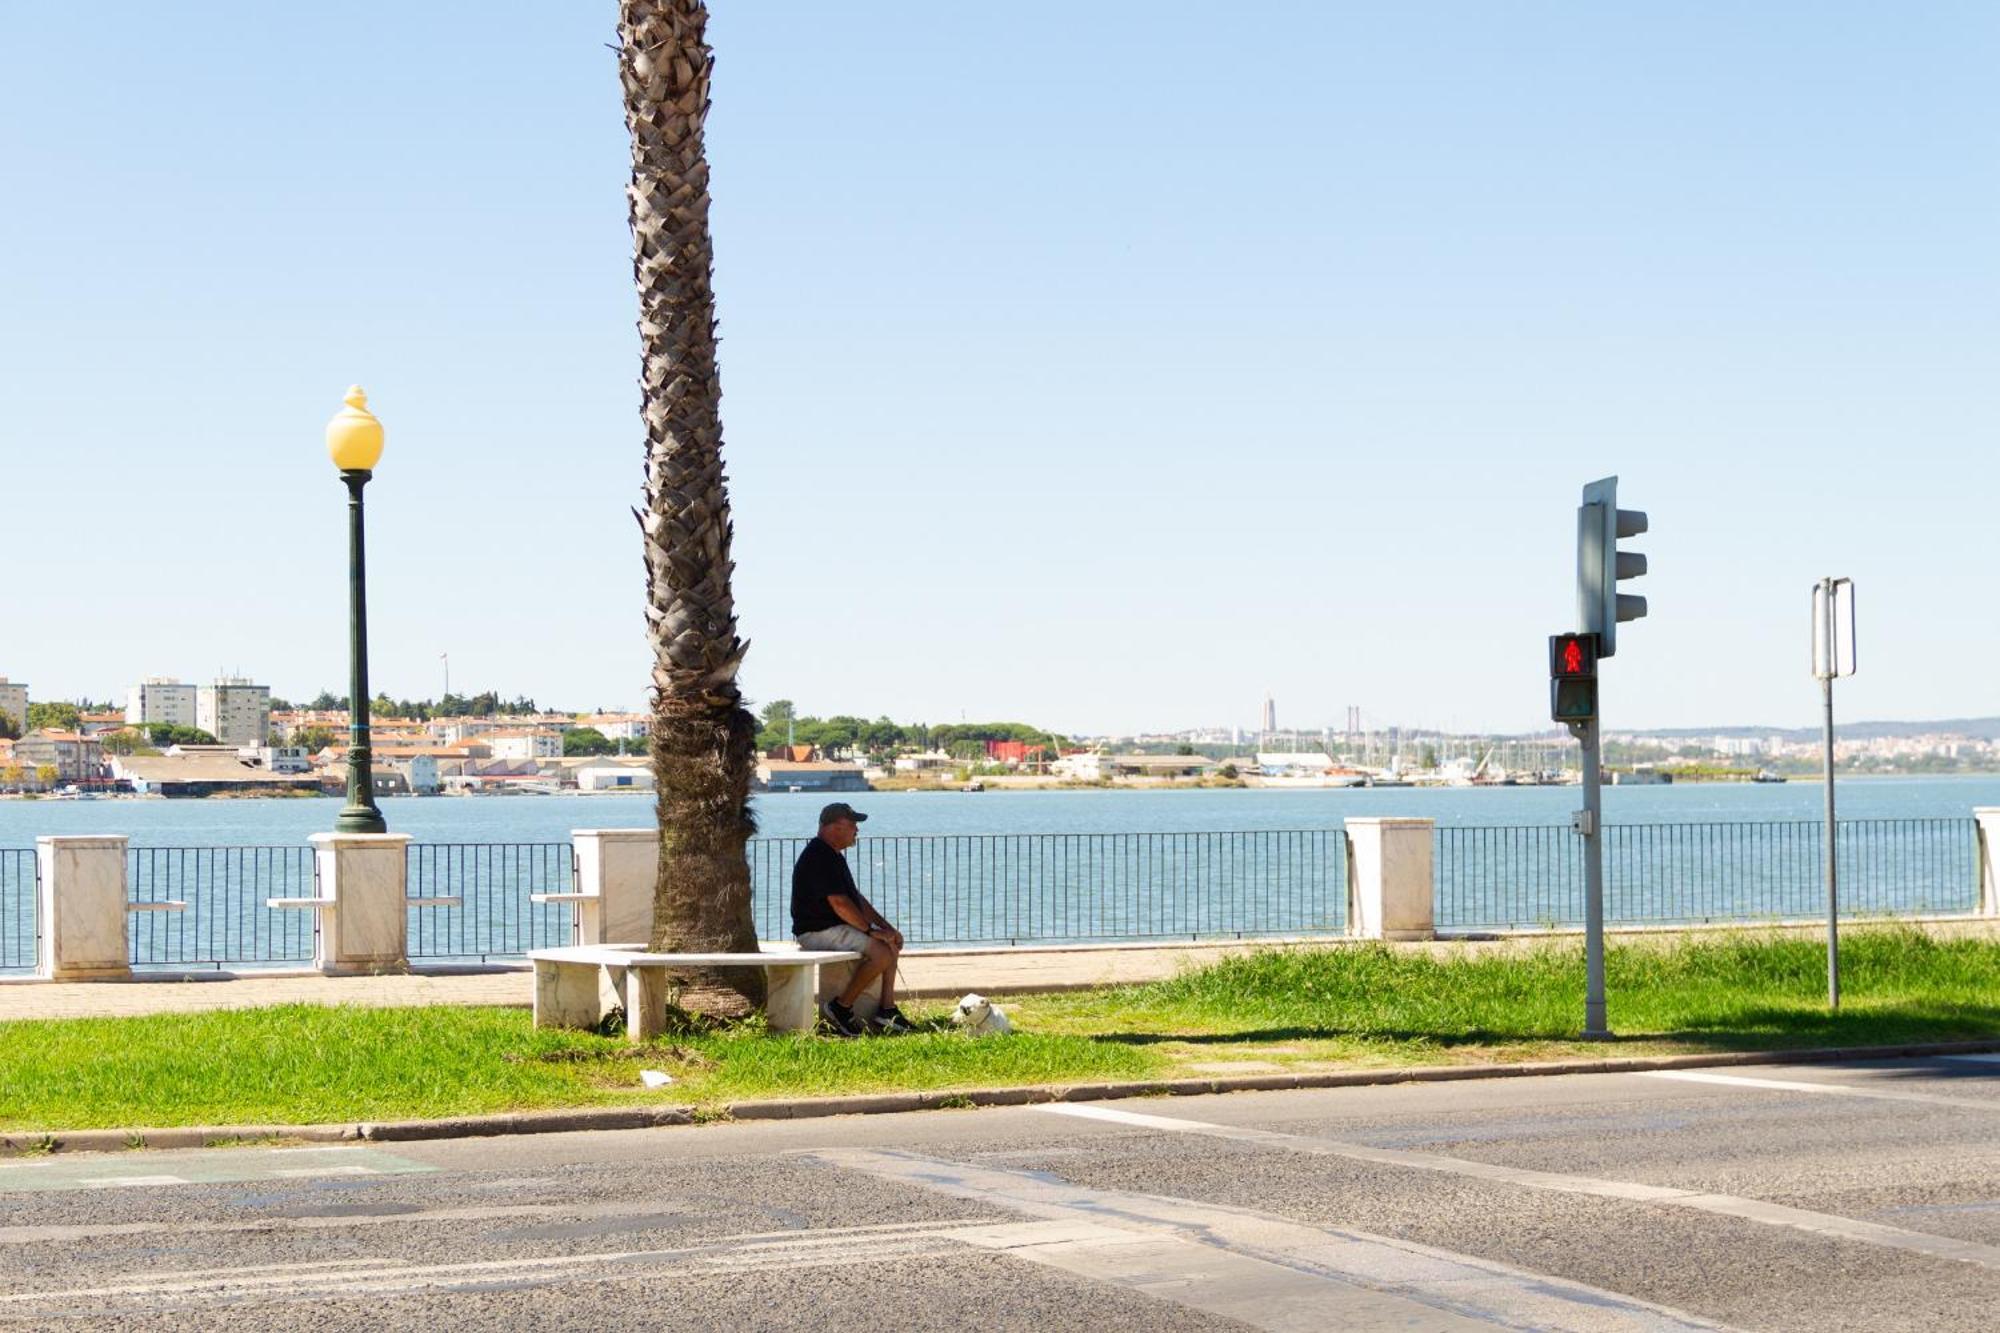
(890,1103)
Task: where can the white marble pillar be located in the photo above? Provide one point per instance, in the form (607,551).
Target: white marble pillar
(616,868)
(82,901)
(1988,818)
(364,924)
(1391,894)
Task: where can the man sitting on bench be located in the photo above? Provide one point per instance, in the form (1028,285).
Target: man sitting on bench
(829,912)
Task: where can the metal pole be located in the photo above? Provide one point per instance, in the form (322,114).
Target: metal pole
(1593,884)
(361,814)
(1829,642)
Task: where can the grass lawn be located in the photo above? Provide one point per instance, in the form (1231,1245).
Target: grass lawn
(1335,1008)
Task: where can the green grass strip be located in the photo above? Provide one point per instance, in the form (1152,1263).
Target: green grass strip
(1292,1009)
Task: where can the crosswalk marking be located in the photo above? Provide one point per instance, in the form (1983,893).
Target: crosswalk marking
(166,1169)
(1258,1268)
(300,1171)
(1749,1210)
(1825,1089)
(383,1275)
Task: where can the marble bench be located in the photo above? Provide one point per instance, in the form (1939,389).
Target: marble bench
(568,992)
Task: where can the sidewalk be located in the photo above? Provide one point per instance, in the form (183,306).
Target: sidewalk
(927,974)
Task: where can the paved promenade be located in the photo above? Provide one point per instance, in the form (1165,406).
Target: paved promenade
(929,974)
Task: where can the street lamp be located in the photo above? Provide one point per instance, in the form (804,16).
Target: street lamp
(354,441)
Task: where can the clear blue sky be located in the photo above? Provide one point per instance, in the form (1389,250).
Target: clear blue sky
(1103,365)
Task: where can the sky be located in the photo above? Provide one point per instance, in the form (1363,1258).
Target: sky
(1106,366)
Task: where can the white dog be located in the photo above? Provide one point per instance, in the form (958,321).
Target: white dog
(980,1016)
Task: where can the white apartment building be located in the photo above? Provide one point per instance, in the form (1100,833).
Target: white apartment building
(14,703)
(523,744)
(619,726)
(161,699)
(234,711)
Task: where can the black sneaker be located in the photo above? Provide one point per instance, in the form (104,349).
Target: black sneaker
(891,1020)
(841,1019)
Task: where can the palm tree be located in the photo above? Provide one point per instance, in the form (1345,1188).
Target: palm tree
(703,739)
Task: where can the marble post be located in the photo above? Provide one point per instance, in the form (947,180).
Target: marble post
(82,900)
(617,866)
(364,926)
(1392,889)
(1988,818)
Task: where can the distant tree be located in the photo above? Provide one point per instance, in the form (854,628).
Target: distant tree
(46,774)
(1183,749)
(280,705)
(126,741)
(1227,771)
(173,733)
(12,775)
(54,717)
(328,702)
(314,739)
(587,740)
(10,726)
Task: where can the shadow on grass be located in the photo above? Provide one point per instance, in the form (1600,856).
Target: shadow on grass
(1748,1030)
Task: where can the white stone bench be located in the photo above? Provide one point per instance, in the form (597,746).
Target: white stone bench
(568,992)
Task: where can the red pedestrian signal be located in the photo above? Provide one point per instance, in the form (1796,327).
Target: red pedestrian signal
(1572,677)
(1572,656)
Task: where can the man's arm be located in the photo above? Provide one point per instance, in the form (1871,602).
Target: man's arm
(859,913)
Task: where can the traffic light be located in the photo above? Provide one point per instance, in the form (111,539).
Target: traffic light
(1600,565)
(1572,677)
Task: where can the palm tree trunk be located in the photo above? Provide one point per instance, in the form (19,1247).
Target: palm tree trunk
(703,740)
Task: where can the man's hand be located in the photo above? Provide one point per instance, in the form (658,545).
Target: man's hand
(883,930)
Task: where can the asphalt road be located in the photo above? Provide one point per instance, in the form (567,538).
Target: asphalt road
(1823,1197)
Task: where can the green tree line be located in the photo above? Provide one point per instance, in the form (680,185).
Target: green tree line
(845,733)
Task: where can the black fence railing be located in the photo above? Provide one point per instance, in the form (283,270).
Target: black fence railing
(495,882)
(1066,887)
(205,906)
(20,908)
(221,917)
(1528,877)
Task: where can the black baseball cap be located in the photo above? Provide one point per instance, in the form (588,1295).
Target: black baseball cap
(837,811)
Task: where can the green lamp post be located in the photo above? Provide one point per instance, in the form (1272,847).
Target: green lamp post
(354,440)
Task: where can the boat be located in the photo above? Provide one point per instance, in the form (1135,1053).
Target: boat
(1766,775)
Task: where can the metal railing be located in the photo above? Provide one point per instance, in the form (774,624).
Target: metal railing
(496,881)
(1055,887)
(1527,877)
(20,908)
(223,918)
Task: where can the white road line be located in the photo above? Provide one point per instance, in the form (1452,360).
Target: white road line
(292,1172)
(1974,1059)
(130,1182)
(67,1235)
(389,1276)
(1258,1268)
(1830,1089)
(1750,1210)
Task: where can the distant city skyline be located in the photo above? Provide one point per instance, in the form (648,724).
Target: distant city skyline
(1051,392)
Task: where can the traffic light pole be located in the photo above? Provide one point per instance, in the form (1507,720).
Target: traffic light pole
(1832,829)
(1592,829)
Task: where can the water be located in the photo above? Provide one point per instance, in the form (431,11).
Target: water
(198,823)
(1048,865)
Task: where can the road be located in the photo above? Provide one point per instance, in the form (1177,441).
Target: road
(1862,1196)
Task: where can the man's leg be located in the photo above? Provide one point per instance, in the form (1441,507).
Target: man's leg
(889,976)
(875,959)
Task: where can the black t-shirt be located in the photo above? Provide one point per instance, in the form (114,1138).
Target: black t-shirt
(820,871)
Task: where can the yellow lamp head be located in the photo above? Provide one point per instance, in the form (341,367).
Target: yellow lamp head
(354,436)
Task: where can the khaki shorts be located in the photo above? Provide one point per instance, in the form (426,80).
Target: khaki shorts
(840,938)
